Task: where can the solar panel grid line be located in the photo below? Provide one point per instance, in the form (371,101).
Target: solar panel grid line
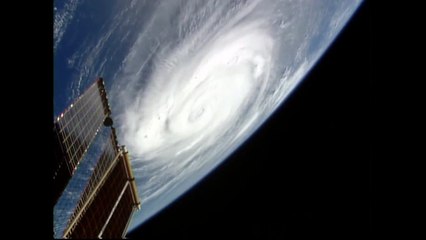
(113,209)
(76,102)
(116,180)
(76,215)
(59,136)
(118,222)
(85,123)
(71,115)
(92,183)
(102,195)
(76,148)
(75,129)
(132,210)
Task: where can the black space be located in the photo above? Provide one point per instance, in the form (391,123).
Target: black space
(306,171)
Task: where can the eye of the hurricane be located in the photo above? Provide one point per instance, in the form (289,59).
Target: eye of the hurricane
(196,112)
(201,95)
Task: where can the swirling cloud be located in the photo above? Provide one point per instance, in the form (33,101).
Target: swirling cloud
(199,80)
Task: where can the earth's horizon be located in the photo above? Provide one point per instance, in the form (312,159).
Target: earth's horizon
(188,81)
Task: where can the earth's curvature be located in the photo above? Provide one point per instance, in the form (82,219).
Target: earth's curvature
(188,81)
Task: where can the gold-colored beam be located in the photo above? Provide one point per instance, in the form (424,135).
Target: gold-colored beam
(135,194)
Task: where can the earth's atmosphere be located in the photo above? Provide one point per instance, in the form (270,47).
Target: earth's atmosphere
(188,81)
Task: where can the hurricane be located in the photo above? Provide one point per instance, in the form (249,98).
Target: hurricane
(190,81)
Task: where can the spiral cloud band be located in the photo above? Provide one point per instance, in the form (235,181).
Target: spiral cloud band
(201,98)
(198,78)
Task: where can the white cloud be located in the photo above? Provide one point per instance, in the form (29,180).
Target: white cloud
(62,19)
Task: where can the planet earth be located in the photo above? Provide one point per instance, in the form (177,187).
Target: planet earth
(188,81)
